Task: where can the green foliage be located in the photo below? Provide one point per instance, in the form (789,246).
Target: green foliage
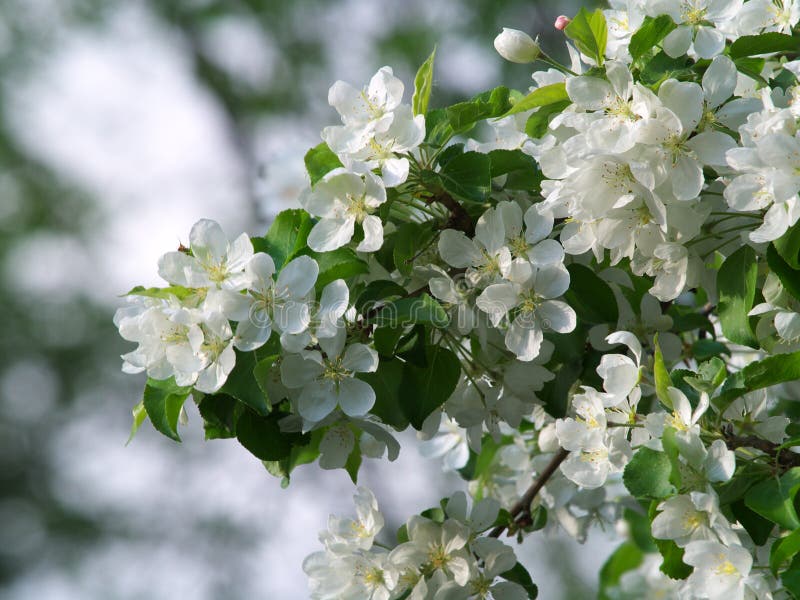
(219,413)
(519,574)
(788,247)
(320,160)
(468,177)
(423,390)
(286,237)
(590,33)
(165,293)
(139,415)
(590,296)
(341,263)
(408,241)
(774,498)
(405,311)
(263,437)
(764,43)
(376,292)
(488,105)
(520,169)
(651,32)
(760,374)
(243,385)
(626,557)
(537,124)
(662,378)
(163,400)
(423,83)
(736,285)
(790,277)
(647,475)
(554,93)
(386,382)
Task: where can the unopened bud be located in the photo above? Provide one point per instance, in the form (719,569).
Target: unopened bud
(561,22)
(517,46)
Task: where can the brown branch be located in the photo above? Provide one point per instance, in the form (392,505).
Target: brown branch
(522,508)
(459,218)
(784,457)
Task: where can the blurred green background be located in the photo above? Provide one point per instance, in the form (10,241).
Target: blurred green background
(121,123)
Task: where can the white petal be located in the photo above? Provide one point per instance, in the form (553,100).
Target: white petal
(551,281)
(356,397)
(524,338)
(457,250)
(330,234)
(556,316)
(719,81)
(298,276)
(678,41)
(373,234)
(360,358)
(546,252)
(317,400)
(208,241)
(708,42)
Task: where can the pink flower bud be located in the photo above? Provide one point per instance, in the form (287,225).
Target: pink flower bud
(561,22)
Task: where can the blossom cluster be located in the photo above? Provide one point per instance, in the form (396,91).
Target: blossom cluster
(593,316)
(443,557)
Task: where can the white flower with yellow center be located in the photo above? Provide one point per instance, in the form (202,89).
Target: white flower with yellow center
(213,263)
(341,200)
(326,379)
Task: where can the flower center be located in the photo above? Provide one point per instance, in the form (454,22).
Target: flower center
(437,557)
(519,246)
(693,15)
(357,206)
(726,568)
(334,370)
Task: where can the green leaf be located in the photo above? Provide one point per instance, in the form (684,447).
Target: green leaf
(386,383)
(286,236)
(139,415)
(649,34)
(673,566)
(423,390)
(764,43)
(661,376)
(710,375)
(790,278)
(590,296)
(537,124)
(376,292)
(788,246)
(784,550)
(705,348)
(791,578)
(409,240)
(180,292)
(321,160)
(757,527)
(385,340)
(468,177)
(773,499)
(220,413)
(163,400)
(647,474)
(736,284)
(405,311)
(520,169)
(662,67)
(463,116)
(299,455)
(625,558)
(263,437)
(341,263)
(547,94)
(760,374)
(519,574)
(353,463)
(242,385)
(590,33)
(265,372)
(423,83)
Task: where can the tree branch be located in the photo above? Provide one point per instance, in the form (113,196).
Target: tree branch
(459,218)
(785,458)
(523,506)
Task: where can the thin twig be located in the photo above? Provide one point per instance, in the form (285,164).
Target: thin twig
(523,506)
(784,457)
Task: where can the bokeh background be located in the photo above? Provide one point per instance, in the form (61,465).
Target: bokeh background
(121,124)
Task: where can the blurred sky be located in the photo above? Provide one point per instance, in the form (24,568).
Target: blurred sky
(116,104)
